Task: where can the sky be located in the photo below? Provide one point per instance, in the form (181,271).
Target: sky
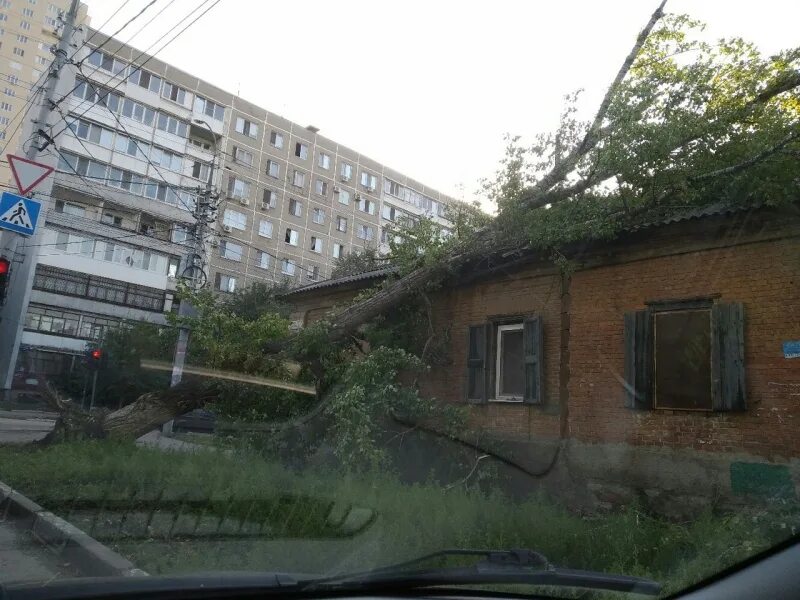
(428,87)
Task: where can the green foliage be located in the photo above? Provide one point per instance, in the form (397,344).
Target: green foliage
(687,111)
(260,297)
(418,519)
(357,261)
(367,393)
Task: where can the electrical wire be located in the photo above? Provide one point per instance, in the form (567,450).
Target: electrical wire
(96,31)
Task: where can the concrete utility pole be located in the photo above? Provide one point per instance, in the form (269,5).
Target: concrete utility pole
(25,250)
(194,271)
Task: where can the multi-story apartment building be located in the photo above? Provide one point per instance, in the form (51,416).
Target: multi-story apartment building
(27,33)
(139,143)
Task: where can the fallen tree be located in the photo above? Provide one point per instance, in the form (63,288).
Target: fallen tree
(670,133)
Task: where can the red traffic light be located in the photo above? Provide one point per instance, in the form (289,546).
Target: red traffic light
(97,354)
(5,266)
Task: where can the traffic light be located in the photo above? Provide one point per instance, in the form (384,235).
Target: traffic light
(5,270)
(94,358)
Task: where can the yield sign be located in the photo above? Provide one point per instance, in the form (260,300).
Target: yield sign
(27,173)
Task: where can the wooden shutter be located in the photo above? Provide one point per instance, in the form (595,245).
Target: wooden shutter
(477,336)
(532,345)
(727,357)
(638,360)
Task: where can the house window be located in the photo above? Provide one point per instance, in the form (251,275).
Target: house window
(181,234)
(295,207)
(276,139)
(291,237)
(225,283)
(341,224)
(504,361)
(316,245)
(324,161)
(242,156)
(338,251)
(288,266)
(685,355)
(246,127)
(209,108)
(200,170)
(321,187)
(393,188)
(368,181)
(234,219)
(273,169)
(344,197)
(389,212)
(230,250)
(19,51)
(318,216)
(238,189)
(298,179)
(264,260)
(301,150)
(175,93)
(346,171)
(141,78)
(265,228)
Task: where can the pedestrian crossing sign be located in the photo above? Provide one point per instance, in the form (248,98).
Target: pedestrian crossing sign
(18,213)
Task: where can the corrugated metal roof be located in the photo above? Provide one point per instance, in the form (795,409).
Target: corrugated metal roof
(364,275)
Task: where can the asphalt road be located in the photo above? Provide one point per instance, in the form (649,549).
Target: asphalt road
(23,560)
(22,431)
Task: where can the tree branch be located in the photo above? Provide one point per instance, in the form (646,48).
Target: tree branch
(733,169)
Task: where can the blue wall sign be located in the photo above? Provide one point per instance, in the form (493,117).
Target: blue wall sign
(18,213)
(791,349)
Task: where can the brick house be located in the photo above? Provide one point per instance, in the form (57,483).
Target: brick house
(654,369)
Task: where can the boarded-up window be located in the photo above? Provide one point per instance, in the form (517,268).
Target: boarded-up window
(682,349)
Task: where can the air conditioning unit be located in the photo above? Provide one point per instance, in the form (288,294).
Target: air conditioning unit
(265,206)
(344,178)
(227,228)
(336,189)
(370,188)
(244,201)
(215,243)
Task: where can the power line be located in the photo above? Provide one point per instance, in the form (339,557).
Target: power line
(116,33)
(96,31)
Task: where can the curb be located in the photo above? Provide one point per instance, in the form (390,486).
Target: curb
(92,558)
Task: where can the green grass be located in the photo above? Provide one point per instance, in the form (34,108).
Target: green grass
(410,519)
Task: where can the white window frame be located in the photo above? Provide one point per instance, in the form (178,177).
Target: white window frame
(498,397)
(324,161)
(276,139)
(264,224)
(318,215)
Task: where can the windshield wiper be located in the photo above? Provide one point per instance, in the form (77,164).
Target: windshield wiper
(497,567)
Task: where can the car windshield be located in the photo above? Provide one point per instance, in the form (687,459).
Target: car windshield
(371,296)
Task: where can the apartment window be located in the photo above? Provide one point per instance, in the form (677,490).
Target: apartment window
(288,266)
(291,237)
(273,169)
(25,26)
(27,12)
(50,22)
(142,78)
(389,212)
(324,161)
(230,250)
(238,189)
(367,206)
(18,51)
(276,139)
(166,159)
(93,133)
(344,197)
(42,60)
(318,216)
(341,224)
(316,245)
(209,108)
(9,92)
(393,188)
(242,156)
(234,219)
(298,179)
(170,91)
(181,234)
(369,181)
(504,361)
(365,232)
(170,124)
(264,260)
(346,171)
(321,187)
(338,250)
(70,209)
(111,219)
(270,199)
(138,112)
(312,272)
(225,283)
(201,170)
(246,127)
(22,39)
(265,228)
(301,150)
